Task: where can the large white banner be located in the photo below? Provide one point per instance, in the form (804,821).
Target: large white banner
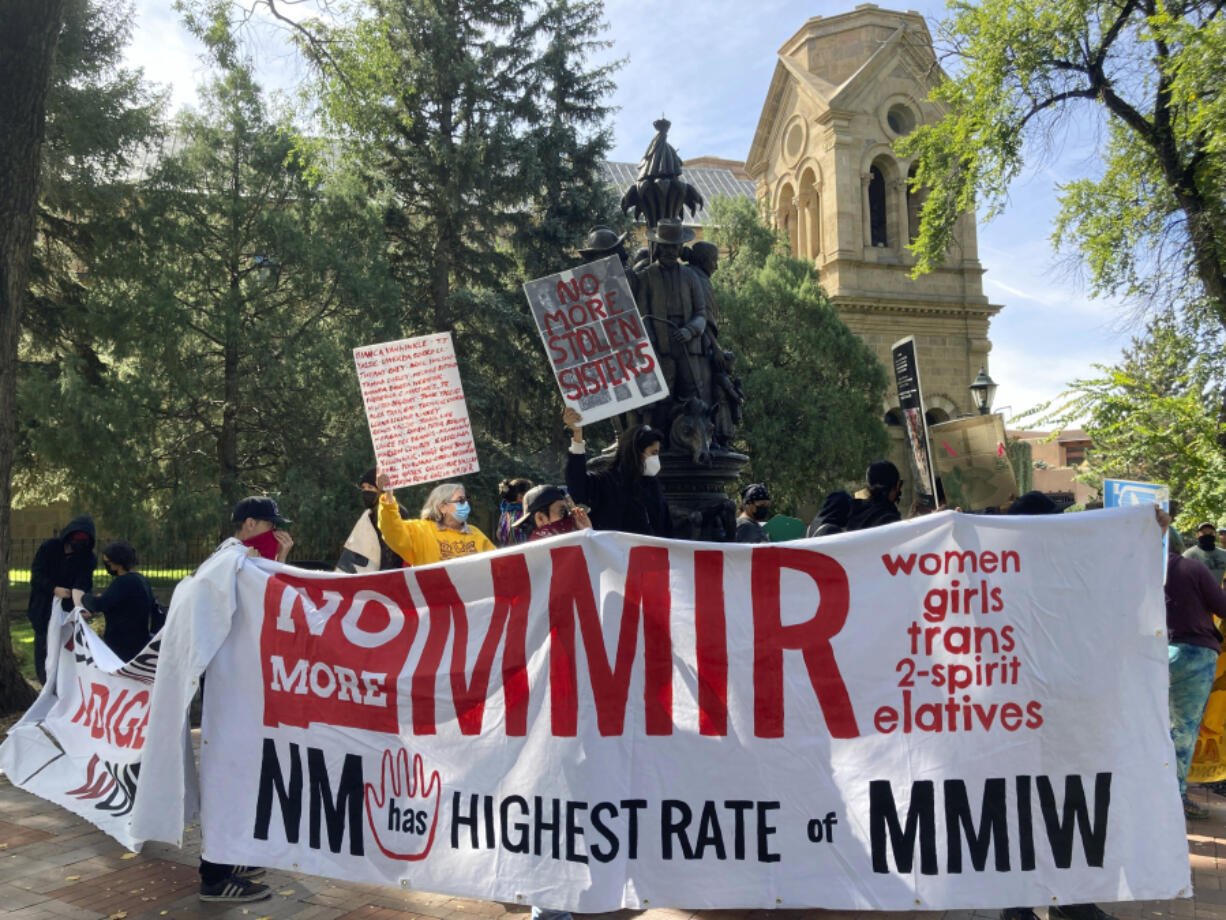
(80,744)
(953,712)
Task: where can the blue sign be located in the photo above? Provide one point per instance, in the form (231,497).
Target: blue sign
(1120,492)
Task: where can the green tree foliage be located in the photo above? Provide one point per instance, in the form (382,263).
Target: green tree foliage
(482,130)
(103,122)
(813,389)
(224,332)
(29,33)
(1153,223)
(1153,417)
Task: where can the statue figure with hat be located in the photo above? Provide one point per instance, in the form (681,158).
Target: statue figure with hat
(601,243)
(673,304)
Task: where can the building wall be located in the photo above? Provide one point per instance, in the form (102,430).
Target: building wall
(845,88)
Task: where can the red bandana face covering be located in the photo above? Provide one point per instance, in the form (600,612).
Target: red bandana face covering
(264,543)
(566,525)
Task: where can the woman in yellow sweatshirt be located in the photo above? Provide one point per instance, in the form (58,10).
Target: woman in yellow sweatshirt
(439,535)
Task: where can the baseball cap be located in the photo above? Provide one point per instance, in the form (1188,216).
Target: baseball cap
(259,507)
(539,498)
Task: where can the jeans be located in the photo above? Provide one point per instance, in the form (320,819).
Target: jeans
(540,913)
(1192,669)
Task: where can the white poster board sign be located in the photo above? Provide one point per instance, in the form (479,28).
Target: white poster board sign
(416,410)
(595,339)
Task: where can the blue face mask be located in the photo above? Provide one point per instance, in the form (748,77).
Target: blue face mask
(461,512)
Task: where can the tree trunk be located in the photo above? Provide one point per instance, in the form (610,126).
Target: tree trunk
(29,32)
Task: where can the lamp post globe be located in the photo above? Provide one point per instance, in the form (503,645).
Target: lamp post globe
(983,389)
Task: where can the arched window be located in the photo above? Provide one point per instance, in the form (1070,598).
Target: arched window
(936,416)
(915,204)
(893,418)
(877,221)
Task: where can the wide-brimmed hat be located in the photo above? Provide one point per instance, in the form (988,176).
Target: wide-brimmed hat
(670,230)
(539,498)
(600,241)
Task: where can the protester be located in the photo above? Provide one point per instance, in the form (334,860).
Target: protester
(1036,502)
(510,509)
(1193,642)
(257,521)
(1207,551)
(881,507)
(365,549)
(549,512)
(626,496)
(127,603)
(259,524)
(755,509)
(442,532)
(63,567)
(1221,537)
(832,516)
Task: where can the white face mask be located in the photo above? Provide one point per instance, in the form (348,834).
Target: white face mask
(651,465)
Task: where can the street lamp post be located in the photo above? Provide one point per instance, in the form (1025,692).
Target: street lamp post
(983,389)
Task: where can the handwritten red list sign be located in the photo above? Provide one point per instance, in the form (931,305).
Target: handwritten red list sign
(416,410)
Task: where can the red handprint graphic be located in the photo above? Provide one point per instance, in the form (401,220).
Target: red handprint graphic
(404,821)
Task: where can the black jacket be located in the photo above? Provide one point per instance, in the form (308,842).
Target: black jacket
(53,568)
(128,607)
(872,512)
(611,507)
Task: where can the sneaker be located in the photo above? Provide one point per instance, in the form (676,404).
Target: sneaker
(1018,913)
(1193,810)
(1077,912)
(248,873)
(234,890)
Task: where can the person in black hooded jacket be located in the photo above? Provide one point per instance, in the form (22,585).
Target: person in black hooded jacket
(63,567)
(881,506)
(626,496)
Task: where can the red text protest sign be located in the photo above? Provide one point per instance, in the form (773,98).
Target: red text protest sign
(416,410)
(596,342)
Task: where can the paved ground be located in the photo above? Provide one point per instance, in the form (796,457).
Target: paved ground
(56,866)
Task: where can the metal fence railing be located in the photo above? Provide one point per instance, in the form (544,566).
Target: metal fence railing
(164,565)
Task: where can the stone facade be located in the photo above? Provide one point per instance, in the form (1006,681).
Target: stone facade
(844,89)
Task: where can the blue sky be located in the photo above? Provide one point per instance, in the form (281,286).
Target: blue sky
(706,65)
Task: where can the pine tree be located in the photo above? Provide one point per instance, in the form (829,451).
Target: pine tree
(29,33)
(225,333)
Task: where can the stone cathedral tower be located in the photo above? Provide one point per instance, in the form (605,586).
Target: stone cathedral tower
(844,89)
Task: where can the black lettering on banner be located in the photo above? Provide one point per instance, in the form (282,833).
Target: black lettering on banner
(993,826)
(764,831)
(921,823)
(1075,811)
(709,833)
(605,831)
(504,811)
(1025,824)
(336,810)
(457,819)
(671,827)
(346,804)
(539,826)
(290,800)
(738,807)
(574,831)
(633,807)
